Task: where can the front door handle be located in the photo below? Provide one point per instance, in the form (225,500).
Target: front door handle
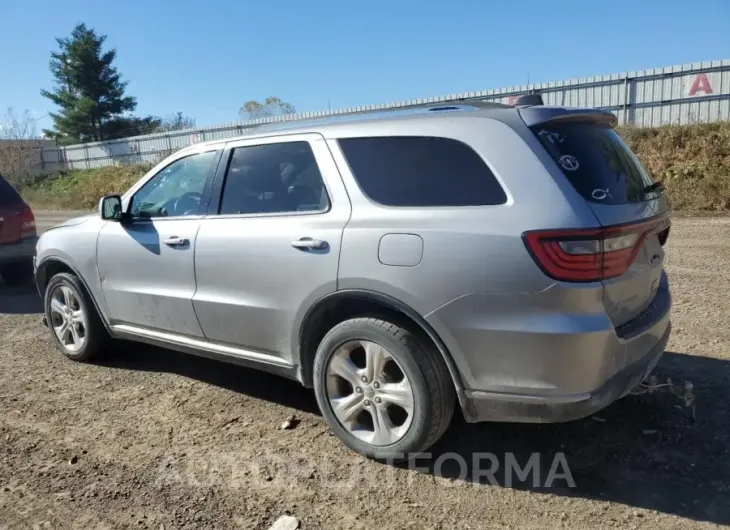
(176,241)
(309,243)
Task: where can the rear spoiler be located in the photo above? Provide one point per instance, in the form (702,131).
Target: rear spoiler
(541,115)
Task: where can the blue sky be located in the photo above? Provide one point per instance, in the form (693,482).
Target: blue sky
(207,58)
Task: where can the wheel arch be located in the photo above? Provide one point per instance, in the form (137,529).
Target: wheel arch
(49,266)
(354,302)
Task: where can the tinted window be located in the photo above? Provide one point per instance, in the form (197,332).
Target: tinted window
(421,171)
(273,178)
(8,195)
(176,190)
(596,161)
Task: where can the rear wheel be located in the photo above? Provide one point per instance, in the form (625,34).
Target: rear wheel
(384,392)
(72,319)
(19,273)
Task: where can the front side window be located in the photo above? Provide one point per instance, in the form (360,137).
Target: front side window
(273,178)
(421,171)
(176,190)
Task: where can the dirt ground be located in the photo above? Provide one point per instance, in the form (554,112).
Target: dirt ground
(150,438)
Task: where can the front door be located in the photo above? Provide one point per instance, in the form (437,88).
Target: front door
(146,266)
(270,246)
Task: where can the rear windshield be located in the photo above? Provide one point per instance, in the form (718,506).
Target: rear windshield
(421,171)
(8,195)
(596,162)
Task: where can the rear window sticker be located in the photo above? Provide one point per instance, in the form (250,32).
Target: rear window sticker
(569,163)
(552,137)
(600,194)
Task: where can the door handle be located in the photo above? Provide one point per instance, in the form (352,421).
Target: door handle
(176,241)
(309,243)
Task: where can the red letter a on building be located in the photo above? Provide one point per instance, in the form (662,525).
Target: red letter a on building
(701,84)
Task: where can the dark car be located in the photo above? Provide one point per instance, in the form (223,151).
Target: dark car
(17,236)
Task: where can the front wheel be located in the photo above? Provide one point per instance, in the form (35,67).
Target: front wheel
(72,319)
(384,392)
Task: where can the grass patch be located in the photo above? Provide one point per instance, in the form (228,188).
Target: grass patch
(693,161)
(80,189)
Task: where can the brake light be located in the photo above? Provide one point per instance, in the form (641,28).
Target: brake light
(595,254)
(27,226)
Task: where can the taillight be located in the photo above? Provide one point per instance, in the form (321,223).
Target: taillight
(595,254)
(27,226)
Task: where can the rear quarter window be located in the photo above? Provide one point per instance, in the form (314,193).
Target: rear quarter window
(8,195)
(595,160)
(421,171)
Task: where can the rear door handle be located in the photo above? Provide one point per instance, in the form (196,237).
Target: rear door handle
(309,243)
(176,241)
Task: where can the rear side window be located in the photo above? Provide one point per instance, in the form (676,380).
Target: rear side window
(595,160)
(273,178)
(421,171)
(8,195)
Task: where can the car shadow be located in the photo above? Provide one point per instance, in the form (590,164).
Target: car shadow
(254,383)
(19,300)
(665,450)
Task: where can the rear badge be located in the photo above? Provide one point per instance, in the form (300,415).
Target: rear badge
(569,163)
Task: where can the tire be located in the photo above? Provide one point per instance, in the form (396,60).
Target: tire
(19,273)
(419,361)
(95,337)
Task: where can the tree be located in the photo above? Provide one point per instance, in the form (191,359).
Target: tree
(19,146)
(177,122)
(272,106)
(89,91)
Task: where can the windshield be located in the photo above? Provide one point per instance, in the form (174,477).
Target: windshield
(598,164)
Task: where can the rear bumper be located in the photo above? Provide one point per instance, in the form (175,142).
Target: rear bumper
(490,406)
(21,251)
(549,356)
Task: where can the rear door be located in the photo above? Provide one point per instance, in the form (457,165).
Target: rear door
(270,246)
(602,168)
(11,209)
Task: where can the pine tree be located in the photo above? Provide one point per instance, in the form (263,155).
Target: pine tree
(90,92)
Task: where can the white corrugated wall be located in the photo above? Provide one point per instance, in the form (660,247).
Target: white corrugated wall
(690,93)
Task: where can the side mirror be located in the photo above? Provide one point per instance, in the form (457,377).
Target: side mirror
(110,208)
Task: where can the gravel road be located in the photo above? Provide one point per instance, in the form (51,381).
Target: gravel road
(149,438)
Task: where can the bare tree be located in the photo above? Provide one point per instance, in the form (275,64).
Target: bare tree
(272,106)
(20,146)
(177,122)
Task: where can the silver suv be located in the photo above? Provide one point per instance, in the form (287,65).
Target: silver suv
(508,258)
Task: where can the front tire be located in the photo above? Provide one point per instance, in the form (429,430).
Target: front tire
(384,392)
(19,273)
(75,325)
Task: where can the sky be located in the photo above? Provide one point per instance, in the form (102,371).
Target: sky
(206,59)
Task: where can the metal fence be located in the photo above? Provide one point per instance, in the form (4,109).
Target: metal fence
(690,93)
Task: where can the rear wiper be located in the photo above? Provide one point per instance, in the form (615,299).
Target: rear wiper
(656,187)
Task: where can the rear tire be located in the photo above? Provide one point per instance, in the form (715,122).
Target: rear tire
(75,326)
(19,273)
(353,373)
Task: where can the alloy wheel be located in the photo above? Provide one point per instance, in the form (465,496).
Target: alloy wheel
(67,318)
(369,392)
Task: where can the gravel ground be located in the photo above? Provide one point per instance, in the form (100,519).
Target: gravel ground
(149,438)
